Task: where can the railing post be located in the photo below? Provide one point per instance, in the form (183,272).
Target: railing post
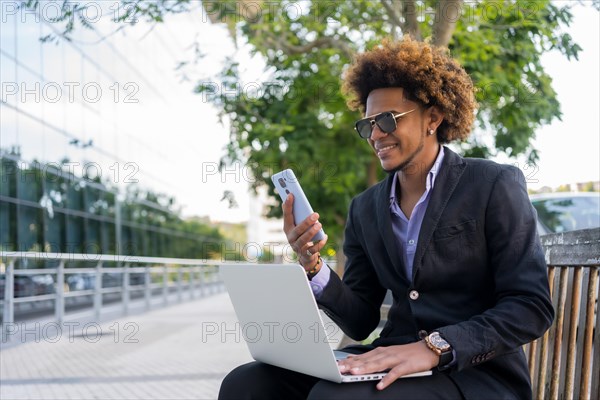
(98,291)
(179,283)
(192,281)
(215,280)
(201,279)
(220,284)
(147,282)
(60,292)
(125,289)
(211,280)
(165,283)
(9,303)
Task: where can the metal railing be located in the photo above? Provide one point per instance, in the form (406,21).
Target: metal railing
(167,276)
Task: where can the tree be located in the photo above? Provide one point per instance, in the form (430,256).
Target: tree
(300,119)
(588,187)
(297,116)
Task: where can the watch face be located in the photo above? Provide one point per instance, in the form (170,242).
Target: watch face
(438,341)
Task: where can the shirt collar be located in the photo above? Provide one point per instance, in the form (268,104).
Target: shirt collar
(429,182)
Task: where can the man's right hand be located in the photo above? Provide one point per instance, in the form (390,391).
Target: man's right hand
(299,236)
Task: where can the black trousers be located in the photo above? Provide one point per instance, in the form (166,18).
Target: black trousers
(258,381)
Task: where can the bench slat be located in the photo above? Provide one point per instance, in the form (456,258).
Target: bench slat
(593,305)
(572,334)
(558,336)
(542,366)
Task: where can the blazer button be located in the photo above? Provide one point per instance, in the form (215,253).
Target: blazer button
(414,295)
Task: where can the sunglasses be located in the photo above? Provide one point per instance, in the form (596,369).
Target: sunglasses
(386,121)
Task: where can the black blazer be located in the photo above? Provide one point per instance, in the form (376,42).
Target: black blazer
(479,275)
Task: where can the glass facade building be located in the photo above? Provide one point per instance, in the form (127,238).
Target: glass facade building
(95,133)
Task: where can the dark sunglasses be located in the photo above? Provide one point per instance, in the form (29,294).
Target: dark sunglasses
(386,121)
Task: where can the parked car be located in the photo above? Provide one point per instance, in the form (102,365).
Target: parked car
(80,281)
(561,212)
(26,286)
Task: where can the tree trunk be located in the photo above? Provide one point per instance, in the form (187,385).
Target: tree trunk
(447,15)
(410,16)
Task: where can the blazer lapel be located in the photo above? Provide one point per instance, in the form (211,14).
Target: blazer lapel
(384,223)
(453,166)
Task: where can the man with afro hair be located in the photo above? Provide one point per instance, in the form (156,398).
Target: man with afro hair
(453,239)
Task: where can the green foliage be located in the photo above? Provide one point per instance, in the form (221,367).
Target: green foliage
(266,257)
(588,187)
(129,12)
(500,44)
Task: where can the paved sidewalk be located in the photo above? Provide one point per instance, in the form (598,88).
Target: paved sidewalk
(178,352)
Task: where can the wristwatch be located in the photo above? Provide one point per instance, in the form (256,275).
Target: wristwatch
(440,347)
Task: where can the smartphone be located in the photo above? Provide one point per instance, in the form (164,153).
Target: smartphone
(286,182)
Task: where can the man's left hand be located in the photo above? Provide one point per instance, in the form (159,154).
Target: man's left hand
(400,360)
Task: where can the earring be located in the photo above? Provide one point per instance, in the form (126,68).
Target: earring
(431,132)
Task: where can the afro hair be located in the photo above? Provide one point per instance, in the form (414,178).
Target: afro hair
(428,75)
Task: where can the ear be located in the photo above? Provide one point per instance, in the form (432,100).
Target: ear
(436,116)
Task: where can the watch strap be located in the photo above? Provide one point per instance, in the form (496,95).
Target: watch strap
(446,358)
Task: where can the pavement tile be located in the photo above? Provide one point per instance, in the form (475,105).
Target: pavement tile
(161,354)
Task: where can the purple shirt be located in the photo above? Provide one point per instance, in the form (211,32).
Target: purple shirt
(406,231)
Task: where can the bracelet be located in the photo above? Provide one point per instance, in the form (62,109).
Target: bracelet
(314,270)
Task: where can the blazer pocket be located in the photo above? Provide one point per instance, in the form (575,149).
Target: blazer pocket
(455,230)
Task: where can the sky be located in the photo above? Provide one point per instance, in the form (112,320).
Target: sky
(172,140)
(570,149)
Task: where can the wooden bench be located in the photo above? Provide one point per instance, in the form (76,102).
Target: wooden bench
(565,362)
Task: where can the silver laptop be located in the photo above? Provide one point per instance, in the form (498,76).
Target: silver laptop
(281,323)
